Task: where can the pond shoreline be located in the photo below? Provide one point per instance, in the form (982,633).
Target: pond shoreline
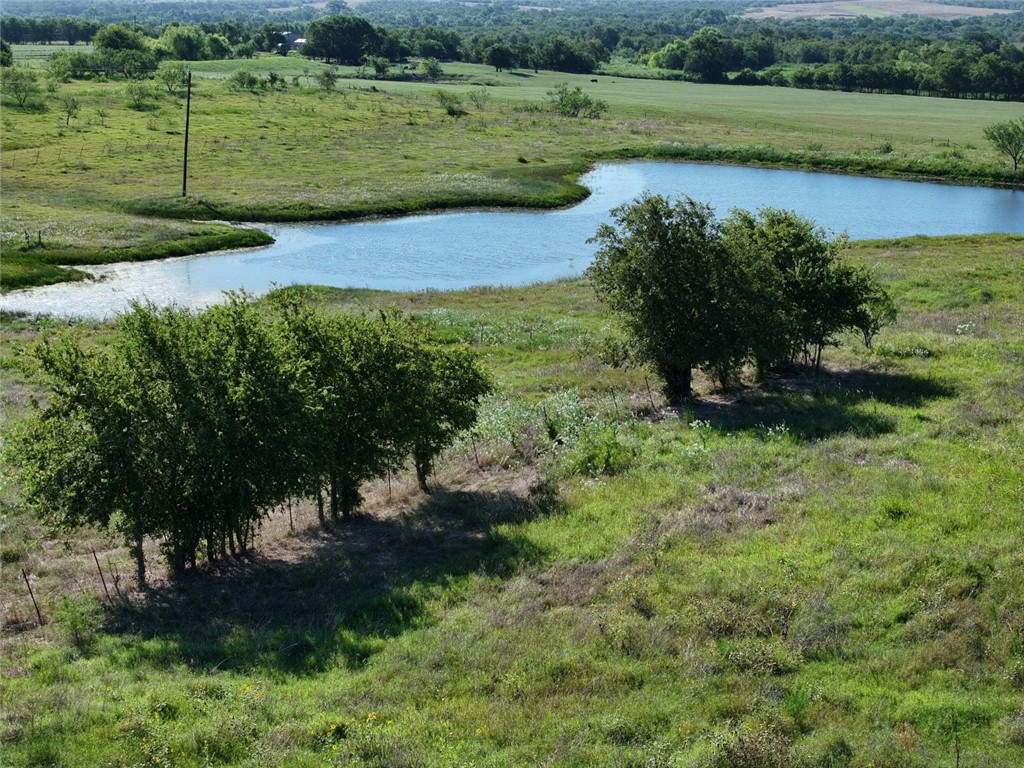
(472,247)
(61,265)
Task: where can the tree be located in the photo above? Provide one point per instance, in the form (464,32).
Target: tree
(186,43)
(244,80)
(449,384)
(342,39)
(693,292)
(327,78)
(564,54)
(431,69)
(119,37)
(573,102)
(450,101)
(139,94)
(20,83)
(672,56)
(71,107)
(1008,137)
(500,56)
(380,65)
(173,75)
(218,47)
(361,394)
(188,429)
(664,269)
(6,54)
(814,295)
(709,54)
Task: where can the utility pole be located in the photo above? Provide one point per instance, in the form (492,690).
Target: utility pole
(188,115)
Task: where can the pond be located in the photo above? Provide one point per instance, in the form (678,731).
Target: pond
(466,248)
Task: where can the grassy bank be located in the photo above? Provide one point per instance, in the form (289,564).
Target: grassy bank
(110,175)
(813,571)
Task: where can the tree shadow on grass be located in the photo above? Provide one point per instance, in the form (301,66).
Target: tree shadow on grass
(814,407)
(325,598)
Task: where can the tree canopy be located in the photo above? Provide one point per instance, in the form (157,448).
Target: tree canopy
(1008,137)
(341,39)
(693,292)
(192,427)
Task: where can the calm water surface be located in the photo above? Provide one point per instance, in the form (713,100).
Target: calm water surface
(458,250)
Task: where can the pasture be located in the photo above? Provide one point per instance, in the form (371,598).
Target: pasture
(95,165)
(805,571)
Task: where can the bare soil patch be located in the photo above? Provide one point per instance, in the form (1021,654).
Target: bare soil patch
(840,9)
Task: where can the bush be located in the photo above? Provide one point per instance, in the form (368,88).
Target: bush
(600,451)
(573,102)
(753,746)
(79,619)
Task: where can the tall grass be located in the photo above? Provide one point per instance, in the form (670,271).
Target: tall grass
(809,571)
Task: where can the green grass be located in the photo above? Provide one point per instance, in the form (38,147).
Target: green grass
(827,567)
(111,177)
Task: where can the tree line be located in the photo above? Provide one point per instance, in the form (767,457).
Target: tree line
(694,292)
(978,65)
(191,427)
(981,58)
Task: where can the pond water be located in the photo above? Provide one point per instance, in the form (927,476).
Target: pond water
(467,248)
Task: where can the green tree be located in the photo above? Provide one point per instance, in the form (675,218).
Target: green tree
(448,384)
(218,47)
(327,78)
(341,39)
(815,294)
(120,37)
(71,107)
(1008,137)
(431,69)
(380,65)
(76,457)
(173,75)
(139,94)
(709,54)
(186,43)
(450,101)
(189,428)
(354,377)
(500,56)
(20,83)
(671,56)
(573,102)
(6,54)
(564,54)
(665,270)
(244,80)
(693,292)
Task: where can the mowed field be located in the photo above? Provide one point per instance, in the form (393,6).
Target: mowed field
(110,174)
(872,8)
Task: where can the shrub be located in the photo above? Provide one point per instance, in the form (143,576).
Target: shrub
(573,102)
(79,619)
(601,451)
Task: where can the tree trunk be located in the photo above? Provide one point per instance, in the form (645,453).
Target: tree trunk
(334,498)
(320,505)
(422,472)
(140,560)
(679,385)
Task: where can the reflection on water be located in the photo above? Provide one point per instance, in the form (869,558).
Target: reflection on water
(462,249)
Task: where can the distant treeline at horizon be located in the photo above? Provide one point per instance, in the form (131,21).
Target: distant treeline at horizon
(980,57)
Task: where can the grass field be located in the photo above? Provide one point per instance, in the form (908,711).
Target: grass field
(109,176)
(809,572)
